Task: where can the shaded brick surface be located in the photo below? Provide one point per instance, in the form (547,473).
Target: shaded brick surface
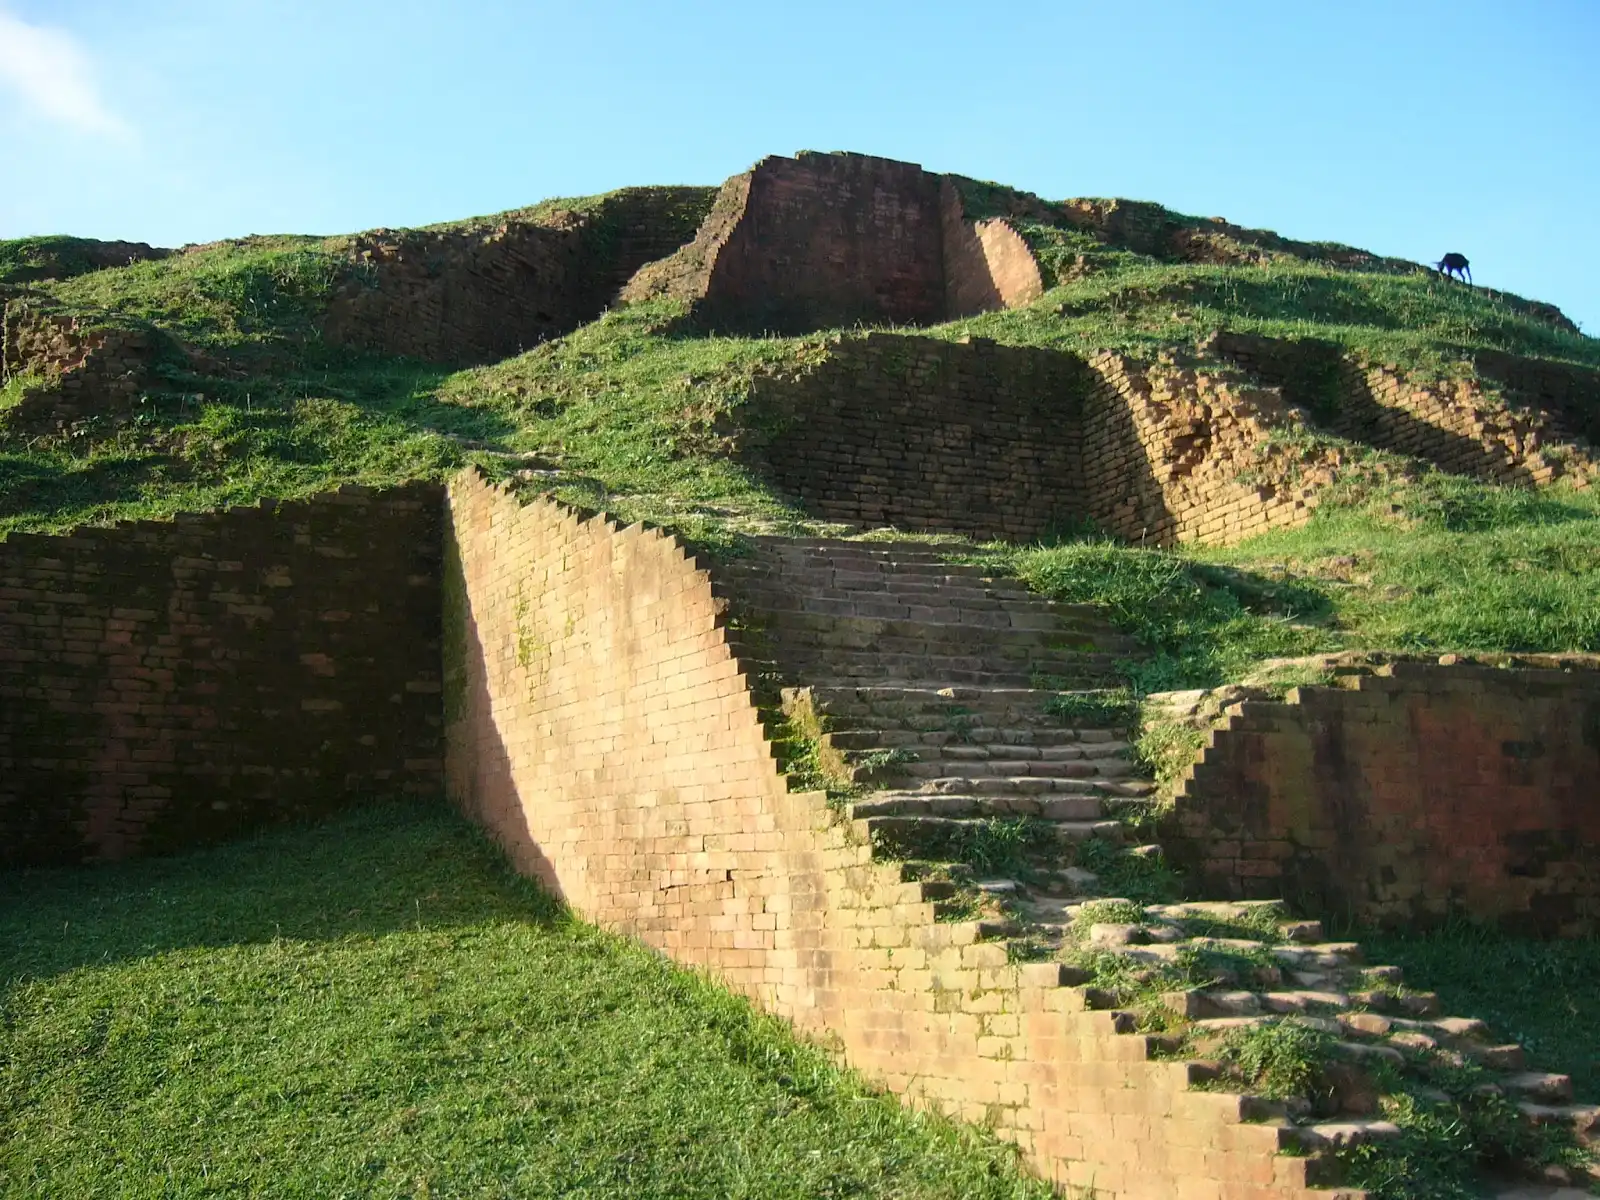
(164,684)
(1408,796)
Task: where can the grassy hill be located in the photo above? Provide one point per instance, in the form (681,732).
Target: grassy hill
(380,1008)
(632,412)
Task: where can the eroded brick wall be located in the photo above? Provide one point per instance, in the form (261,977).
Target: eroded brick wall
(481,292)
(1406,796)
(169,683)
(599,727)
(926,434)
(1170,454)
(1454,424)
(86,370)
(1015,442)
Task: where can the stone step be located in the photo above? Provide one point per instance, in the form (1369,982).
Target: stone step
(1016,785)
(1046,806)
(943,734)
(944,768)
(948,837)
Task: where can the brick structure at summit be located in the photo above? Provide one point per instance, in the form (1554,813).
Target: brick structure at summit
(828,240)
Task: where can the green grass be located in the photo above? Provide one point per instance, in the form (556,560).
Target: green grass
(1538,993)
(1438,565)
(377,1007)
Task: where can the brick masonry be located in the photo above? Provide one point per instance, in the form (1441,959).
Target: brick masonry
(1012,442)
(484,291)
(165,683)
(599,726)
(85,370)
(1458,425)
(1408,795)
(821,241)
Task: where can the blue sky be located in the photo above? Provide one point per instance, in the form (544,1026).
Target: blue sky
(1409,127)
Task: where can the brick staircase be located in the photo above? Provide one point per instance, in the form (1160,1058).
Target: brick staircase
(930,689)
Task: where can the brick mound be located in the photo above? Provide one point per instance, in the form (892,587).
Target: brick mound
(822,241)
(487,290)
(921,673)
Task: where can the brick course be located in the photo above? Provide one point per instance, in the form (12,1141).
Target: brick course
(1410,794)
(164,683)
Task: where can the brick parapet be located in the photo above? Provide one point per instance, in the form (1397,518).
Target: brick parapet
(167,683)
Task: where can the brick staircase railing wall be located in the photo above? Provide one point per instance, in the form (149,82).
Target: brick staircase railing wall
(1408,797)
(599,727)
(484,292)
(86,370)
(164,684)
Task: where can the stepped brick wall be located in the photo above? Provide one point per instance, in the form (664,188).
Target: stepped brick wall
(821,241)
(1011,442)
(1409,795)
(1173,455)
(1453,424)
(987,264)
(486,291)
(168,683)
(87,371)
(598,725)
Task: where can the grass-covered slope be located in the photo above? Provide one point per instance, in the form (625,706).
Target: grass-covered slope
(378,1007)
(632,413)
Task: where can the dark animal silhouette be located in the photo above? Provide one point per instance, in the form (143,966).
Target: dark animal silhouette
(1457,265)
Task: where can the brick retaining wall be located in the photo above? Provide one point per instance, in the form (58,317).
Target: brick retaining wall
(1407,796)
(165,683)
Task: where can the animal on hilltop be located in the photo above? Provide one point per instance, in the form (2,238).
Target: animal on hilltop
(1455,264)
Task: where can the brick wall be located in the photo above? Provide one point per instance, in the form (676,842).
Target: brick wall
(1454,424)
(821,241)
(599,727)
(1010,442)
(926,434)
(169,683)
(87,370)
(1407,795)
(485,291)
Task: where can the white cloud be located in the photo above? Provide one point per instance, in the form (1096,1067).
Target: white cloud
(53,76)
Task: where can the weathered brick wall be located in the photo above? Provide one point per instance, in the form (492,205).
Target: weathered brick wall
(169,683)
(987,264)
(1453,424)
(926,434)
(823,241)
(87,370)
(1408,795)
(1170,455)
(482,292)
(1012,442)
(599,727)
